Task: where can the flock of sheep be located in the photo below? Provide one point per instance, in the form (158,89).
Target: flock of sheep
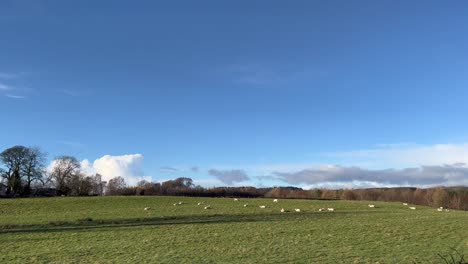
(245,205)
(440,209)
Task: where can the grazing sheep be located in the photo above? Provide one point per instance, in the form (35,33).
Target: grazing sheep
(371,205)
(405,203)
(176,204)
(412,208)
(275,200)
(297,210)
(147,208)
(207,207)
(235,199)
(331,209)
(262,206)
(180,202)
(282,210)
(245,205)
(440,209)
(321,209)
(200,203)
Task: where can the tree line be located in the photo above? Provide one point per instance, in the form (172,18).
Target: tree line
(24,173)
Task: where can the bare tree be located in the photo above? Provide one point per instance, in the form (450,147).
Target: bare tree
(64,173)
(33,168)
(115,186)
(98,184)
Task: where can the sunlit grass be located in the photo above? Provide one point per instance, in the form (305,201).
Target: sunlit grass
(118,230)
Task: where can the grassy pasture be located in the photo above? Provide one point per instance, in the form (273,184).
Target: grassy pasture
(118,230)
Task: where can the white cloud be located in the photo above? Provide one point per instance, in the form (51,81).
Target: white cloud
(130,167)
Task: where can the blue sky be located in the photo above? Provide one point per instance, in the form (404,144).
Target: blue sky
(248,92)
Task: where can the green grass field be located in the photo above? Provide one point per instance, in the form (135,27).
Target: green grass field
(119,230)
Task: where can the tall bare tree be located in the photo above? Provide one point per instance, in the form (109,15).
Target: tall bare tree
(99,184)
(65,169)
(33,168)
(115,186)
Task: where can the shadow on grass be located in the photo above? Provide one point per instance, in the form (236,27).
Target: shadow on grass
(90,224)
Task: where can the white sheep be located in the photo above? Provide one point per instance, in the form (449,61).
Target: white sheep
(405,203)
(275,200)
(412,208)
(200,203)
(331,209)
(282,210)
(297,210)
(147,208)
(440,209)
(235,199)
(245,205)
(262,206)
(371,205)
(180,203)
(207,207)
(176,204)
(321,209)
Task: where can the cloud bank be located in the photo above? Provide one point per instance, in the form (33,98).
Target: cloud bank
(229,177)
(130,167)
(448,175)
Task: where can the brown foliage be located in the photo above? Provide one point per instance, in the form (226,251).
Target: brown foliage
(329,194)
(440,197)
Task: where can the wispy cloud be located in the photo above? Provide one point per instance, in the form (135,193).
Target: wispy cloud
(69,143)
(252,74)
(168,169)
(229,176)
(15,96)
(403,155)
(9,76)
(263,73)
(5,87)
(8,89)
(74,93)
